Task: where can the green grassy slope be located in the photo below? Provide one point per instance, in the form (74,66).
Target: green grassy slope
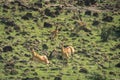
(94,59)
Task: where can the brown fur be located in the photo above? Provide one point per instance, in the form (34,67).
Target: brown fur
(40,58)
(67,52)
(54,33)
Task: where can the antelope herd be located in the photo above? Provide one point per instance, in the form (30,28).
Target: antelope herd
(66,53)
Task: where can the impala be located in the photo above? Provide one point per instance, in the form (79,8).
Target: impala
(67,51)
(41,58)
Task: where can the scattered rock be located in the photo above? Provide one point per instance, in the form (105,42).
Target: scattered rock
(14,72)
(89,2)
(74,67)
(50,13)
(57,68)
(95,14)
(44,46)
(8,21)
(58,10)
(95,23)
(11,78)
(53,1)
(117,65)
(10,37)
(88,12)
(117,46)
(80,2)
(38,4)
(83,70)
(47,25)
(108,18)
(57,78)
(112,73)
(27,16)
(9,65)
(7,48)
(74,35)
(1,58)
(35,73)
(15,58)
(23,61)
(6,6)
(16,27)
(34,78)
(27,55)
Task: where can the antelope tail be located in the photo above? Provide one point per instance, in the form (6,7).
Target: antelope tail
(72,49)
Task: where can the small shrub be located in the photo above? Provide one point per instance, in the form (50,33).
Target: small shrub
(96,76)
(110,33)
(105,33)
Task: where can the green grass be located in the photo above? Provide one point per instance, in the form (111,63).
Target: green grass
(90,53)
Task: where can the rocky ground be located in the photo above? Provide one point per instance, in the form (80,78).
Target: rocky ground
(91,27)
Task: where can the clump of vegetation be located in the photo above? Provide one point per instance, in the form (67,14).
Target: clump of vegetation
(96,76)
(110,33)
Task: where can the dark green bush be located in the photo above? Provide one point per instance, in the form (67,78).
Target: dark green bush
(96,76)
(110,33)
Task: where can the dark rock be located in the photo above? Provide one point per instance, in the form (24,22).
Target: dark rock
(7,21)
(50,13)
(117,65)
(23,61)
(112,73)
(34,78)
(47,25)
(74,35)
(15,58)
(85,29)
(88,12)
(80,2)
(93,2)
(27,55)
(53,1)
(83,70)
(33,8)
(57,78)
(117,4)
(53,54)
(11,78)
(1,58)
(58,10)
(108,18)
(44,46)
(95,14)
(6,6)
(9,65)
(16,27)
(74,68)
(95,23)
(10,37)
(35,73)
(14,72)
(39,4)
(57,68)
(7,48)
(27,16)
(117,46)
(87,2)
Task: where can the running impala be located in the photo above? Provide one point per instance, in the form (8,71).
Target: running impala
(41,58)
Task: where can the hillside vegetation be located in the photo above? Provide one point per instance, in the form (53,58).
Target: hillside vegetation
(92,27)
